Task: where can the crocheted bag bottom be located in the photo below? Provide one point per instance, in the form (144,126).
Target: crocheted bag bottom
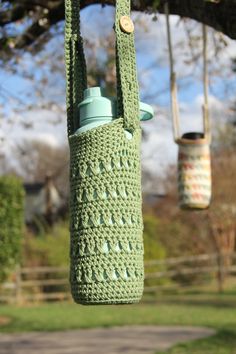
(106,216)
(128,292)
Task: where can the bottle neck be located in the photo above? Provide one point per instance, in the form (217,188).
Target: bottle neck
(96,121)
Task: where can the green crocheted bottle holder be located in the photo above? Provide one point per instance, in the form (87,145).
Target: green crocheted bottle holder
(106,218)
(105,202)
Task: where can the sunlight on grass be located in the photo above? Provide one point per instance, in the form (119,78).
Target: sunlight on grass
(224,342)
(176,311)
(212,310)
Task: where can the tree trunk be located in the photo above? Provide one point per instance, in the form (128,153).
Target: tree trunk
(48,200)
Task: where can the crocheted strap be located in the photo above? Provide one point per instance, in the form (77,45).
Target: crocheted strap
(127,84)
(76,76)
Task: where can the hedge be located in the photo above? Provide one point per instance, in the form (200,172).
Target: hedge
(11,223)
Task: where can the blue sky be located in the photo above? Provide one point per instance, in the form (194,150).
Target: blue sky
(151,51)
(48,126)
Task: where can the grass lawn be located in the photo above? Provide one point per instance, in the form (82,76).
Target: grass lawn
(216,311)
(224,342)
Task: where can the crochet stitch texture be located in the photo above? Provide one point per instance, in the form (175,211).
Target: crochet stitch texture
(105,201)
(194,175)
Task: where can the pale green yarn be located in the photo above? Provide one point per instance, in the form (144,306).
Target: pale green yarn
(105,202)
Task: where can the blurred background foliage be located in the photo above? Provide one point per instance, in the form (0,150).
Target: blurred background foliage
(33,142)
(12,225)
(49,248)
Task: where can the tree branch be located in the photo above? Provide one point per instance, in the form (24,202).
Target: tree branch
(12,15)
(219,14)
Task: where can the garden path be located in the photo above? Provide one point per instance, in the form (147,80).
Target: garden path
(115,340)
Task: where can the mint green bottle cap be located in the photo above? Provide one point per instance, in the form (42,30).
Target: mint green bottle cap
(96,105)
(146,111)
(97,109)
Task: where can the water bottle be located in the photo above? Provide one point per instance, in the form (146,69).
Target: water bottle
(106,213)
(96,109)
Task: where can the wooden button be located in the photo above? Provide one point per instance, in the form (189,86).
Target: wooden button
(126,24)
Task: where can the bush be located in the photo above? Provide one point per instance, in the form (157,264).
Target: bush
(153,248)
(49,248)
(11,223)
